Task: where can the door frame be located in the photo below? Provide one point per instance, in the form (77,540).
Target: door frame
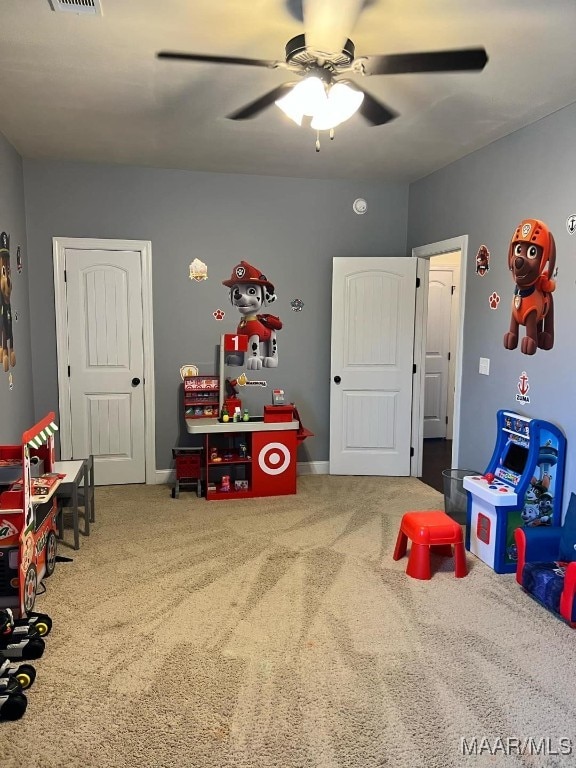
(144,247)
(424,253)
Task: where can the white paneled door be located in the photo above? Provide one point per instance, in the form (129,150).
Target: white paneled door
(373,310)
(441,282)
(106,362)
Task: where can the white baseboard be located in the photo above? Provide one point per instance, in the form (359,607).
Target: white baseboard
(166,476)
(313,468)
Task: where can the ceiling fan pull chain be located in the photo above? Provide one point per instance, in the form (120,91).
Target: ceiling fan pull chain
(317,141)
(331,134)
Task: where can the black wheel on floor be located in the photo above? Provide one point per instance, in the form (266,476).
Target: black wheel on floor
(33,649)
(25,674)
(14,707)
(41,622)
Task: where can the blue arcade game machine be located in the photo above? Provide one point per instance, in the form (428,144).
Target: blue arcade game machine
(522,486)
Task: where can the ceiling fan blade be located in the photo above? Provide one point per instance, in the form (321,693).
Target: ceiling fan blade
(215,59)
(259,105)
(373,110)
(432,61)
(329,23)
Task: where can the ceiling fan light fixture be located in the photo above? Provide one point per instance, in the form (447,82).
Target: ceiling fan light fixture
(342,102)
(306,98)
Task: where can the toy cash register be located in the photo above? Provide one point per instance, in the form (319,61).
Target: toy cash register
(522,486)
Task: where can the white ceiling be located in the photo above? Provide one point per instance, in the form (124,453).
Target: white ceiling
(90,89)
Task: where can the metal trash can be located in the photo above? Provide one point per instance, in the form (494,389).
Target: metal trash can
(455,497)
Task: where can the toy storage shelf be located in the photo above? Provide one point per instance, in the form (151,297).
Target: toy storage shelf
(269,468)
(229,456)
(201,396)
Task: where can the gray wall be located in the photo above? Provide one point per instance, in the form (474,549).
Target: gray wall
(529,174)
(16,404)
(288,228)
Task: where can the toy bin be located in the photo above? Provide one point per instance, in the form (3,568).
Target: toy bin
(455,497)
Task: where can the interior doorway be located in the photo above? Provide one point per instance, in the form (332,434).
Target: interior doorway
(441,352)
(441,345)
(441,357)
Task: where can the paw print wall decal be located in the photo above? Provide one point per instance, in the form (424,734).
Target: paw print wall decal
(494,300)
(219,314)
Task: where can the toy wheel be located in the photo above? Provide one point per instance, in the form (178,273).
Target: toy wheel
(30,588)
(33,649)
(42,623)
(25,674)
(51,547)
(14,707)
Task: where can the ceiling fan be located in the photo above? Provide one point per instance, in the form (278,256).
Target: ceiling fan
(321,55)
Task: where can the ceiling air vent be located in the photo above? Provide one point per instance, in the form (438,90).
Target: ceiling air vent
(85,7)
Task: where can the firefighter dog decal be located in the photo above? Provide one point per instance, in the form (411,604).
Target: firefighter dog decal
(250,290)
(531,260)
(7,349)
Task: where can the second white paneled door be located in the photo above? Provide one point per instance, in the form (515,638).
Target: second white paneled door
(373,315)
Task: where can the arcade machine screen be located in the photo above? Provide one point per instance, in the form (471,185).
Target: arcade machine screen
(515,458)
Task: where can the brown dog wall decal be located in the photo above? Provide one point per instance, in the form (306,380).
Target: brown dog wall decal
(8,356)
(532,260)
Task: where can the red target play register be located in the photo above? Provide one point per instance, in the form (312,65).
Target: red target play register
(248,459)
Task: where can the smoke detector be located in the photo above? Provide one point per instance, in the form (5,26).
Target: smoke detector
(84,7)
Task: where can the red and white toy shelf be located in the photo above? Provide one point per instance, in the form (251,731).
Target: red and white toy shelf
(247,458)
(28,512)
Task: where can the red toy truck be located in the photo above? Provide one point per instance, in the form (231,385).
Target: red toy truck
(28,512)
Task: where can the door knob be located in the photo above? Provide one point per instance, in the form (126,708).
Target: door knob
(135,381)
(337,379)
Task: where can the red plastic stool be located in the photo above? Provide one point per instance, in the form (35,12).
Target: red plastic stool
(430,531)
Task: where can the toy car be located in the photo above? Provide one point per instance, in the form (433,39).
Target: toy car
(13,702)
(25,674)
(28,512)
(22,638)
(40,622)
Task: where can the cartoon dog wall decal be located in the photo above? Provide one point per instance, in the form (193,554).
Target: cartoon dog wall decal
(482,261)
(7,342)
(532,259)
(249,291)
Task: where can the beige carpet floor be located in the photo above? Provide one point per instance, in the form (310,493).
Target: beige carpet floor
(279,633)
